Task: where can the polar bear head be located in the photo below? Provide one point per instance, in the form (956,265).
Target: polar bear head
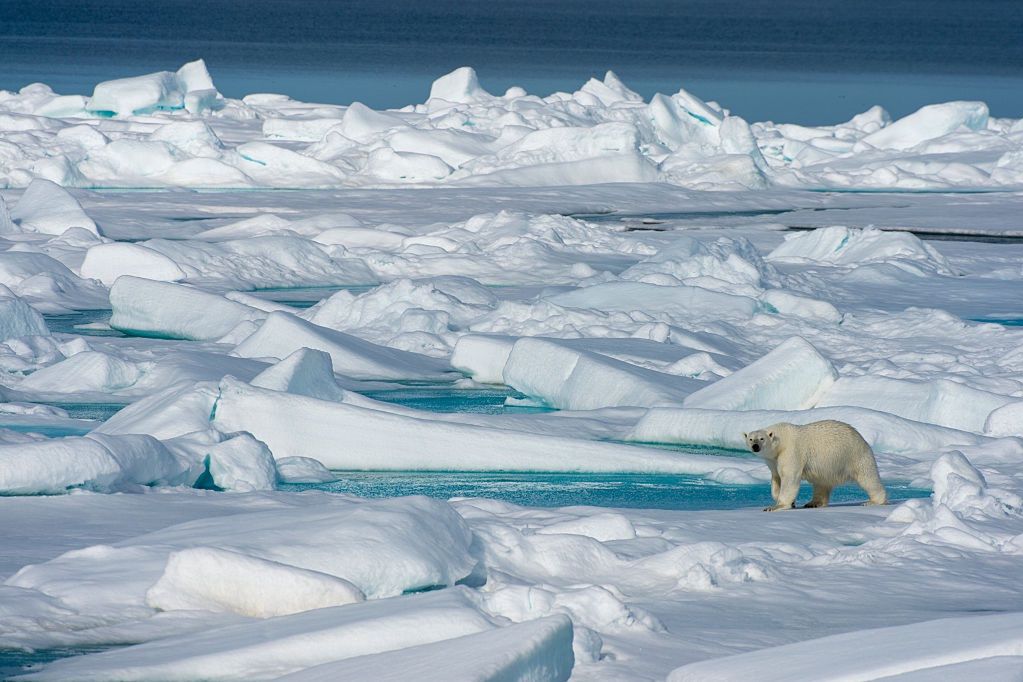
(761,441)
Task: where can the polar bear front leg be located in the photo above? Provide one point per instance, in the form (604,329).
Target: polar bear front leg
(788,489)
(775,486)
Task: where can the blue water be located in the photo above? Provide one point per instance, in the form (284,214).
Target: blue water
(808,61)
(67,323)
(305,297)
(15,662)
(434,399)
(98,411)
(1004,321)
(637,491)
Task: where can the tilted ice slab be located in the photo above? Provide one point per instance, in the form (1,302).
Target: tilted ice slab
(353,437)
(573,379)
(724,428)
(934,646)
(538,651)
(937,401)
(484,356)
(282,334)
(792,376)
(269,649)
(146,307)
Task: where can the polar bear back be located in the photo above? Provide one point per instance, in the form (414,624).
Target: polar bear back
(829,452)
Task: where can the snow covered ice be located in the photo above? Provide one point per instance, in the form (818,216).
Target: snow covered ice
(194,365)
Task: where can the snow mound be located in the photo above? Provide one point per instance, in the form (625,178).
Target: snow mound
(88,371)
(282,334)
(383,547)
(726,265)
(573,379)
(853,247)
(1006,420)
(537,651)
(144,307)
(97,462)
(107,262)
(303,470)
(791,376)
(190,87)
(48,208)
(897,650)
(211,579)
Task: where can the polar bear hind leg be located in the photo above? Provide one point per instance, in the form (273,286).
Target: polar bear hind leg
(870,481)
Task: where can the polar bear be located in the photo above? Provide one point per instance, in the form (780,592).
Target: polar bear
(826,453)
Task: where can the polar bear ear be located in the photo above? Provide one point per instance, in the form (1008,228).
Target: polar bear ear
(745,435)
(770,434)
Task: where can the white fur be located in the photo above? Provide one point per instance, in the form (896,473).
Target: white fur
(826,453)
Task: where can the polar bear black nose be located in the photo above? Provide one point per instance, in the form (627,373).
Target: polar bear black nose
(756,447)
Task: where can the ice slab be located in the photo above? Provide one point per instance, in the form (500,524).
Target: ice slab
(344,436)
(792,376)
(282,334)
(898,650)
(534,651)
(162,90)
(937,401)
(572,379)
(269,649)
(145,307)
